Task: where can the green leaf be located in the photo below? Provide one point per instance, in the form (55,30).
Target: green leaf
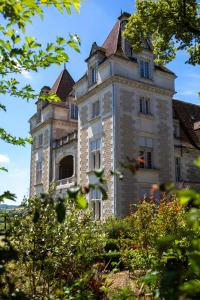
(81,201)
(186,195)
(36,216)
(60,211)
(72,192)
(197,162)
(3,169)
(2,107)
(7,195)
(99,172)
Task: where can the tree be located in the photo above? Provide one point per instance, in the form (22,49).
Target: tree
(20,52)
(171,24)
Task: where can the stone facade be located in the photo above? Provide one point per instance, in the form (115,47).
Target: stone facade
(127,116)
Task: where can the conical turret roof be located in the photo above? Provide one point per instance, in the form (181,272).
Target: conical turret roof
(63,85)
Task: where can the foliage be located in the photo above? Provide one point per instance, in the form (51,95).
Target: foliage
(171,24)
(22,53)
(55,258)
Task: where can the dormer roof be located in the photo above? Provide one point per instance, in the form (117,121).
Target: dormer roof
(63,85)
(113,41)
(94,49)
(188,115)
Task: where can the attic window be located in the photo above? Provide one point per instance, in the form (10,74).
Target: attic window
(93,75)
(145,69)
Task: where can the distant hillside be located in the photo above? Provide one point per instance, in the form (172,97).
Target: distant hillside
(7,206)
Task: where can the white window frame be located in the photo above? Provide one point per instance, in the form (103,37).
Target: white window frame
(95,154)
(93,75)
(96,204)
(145,68)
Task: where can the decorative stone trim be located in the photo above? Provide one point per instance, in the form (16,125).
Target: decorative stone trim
(124,80)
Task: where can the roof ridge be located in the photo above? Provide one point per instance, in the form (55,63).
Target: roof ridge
(185,102)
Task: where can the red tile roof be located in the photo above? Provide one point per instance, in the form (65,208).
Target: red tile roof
(63,85)
(113,41)
(188,114)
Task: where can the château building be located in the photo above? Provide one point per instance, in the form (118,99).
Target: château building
(122,108)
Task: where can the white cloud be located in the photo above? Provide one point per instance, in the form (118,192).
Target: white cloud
(26,74)
(4,158)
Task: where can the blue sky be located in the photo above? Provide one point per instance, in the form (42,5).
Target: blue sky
(95,21)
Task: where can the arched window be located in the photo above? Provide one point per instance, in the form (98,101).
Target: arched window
(66,167)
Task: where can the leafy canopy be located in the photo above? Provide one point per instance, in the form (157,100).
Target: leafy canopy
(20,52)
(172,25)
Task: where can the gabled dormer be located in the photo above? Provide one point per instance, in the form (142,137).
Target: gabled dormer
(96,57)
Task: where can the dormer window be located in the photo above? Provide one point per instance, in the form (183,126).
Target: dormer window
(145,69)
(92,75)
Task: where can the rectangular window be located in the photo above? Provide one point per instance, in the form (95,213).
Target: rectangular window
(146,153)
(142,159)
(146,159)
(93,75)
(38,172)
(96,209)
(145,106)
(149,160)
(95,198)
(178,169)
(74,112)
(40,140)
(95,109)
(144,69)
(95,154)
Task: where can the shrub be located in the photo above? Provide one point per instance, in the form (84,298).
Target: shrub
(54,255)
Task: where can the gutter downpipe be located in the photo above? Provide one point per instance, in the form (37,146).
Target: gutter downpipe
(114,122)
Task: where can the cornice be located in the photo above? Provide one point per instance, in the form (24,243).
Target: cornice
(130,82)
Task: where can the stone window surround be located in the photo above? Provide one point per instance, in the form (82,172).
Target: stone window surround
(146,59)
(95,114)
(97,151)
(146,150)
(96,206)
(58,160)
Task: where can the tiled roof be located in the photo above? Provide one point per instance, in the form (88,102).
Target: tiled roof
(63,85)
(188,114)
(113,41)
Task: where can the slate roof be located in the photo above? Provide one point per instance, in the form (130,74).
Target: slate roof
(113,43)
(63,85)
(188,114)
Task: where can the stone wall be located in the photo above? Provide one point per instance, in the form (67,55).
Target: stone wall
(83,156)
(107,153)
(165,142)
(126,147)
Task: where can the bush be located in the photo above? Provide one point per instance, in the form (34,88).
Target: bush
(55,256)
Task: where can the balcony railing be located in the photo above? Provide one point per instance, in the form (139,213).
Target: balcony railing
(66,182)
(65,140)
